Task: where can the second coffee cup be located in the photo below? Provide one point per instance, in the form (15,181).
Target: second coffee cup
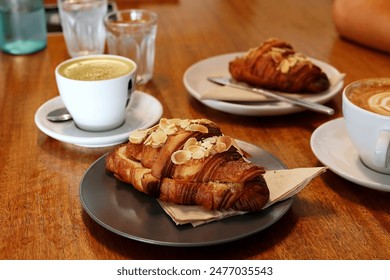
(366,110)
(96,89)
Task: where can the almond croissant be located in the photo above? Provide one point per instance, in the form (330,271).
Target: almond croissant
(190,162)
(275,65)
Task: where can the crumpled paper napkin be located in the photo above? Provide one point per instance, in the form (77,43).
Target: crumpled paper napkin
(282,184)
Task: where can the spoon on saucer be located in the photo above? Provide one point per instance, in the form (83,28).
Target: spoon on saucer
(59,115)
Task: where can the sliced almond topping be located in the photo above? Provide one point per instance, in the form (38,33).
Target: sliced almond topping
(181,157)
(301,57)
(210,140)
(276,54)
(292,60)
(207,145)
(148,140)
(197,151)
(184,123)
(279,50)
(153,128)
(204,121)
(163,123)
(170,128)
(176,121)
(197,127)
(159,137)
(137,136)
(191,141)
(220,147)
(284,66)
(223,144)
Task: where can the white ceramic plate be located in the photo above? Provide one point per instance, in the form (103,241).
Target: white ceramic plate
(195,81)
(143,111)
(120,208)
(331,145)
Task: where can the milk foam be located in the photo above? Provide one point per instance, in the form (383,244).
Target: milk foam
(380,103)
(93,69)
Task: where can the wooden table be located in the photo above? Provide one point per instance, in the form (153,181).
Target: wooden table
(41,216)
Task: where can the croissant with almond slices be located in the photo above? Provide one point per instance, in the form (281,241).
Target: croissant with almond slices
(190,162)
(275,65)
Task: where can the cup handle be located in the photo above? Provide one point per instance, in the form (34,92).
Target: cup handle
(130,89)
(382,151)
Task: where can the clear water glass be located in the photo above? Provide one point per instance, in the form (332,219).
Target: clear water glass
(132,33)
(82,26)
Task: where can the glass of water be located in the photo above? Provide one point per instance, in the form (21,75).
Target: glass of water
(132,33)
(82,25)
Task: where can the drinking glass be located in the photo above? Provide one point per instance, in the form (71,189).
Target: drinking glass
(22,26)
(82,25)
(132,33)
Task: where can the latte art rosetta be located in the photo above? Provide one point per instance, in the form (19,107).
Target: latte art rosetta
(380,103)
(373,97)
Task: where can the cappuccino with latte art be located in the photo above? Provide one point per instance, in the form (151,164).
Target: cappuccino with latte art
(374,98)
(366,112)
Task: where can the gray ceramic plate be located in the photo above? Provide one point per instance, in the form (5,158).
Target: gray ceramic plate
(123,210)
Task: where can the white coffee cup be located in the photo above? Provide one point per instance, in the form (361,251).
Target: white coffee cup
(96,89)
(366,110)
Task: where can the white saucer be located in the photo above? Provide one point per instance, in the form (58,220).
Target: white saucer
(195,81)
(143,111)
(332,146)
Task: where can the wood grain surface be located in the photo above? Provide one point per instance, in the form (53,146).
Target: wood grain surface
(41,216)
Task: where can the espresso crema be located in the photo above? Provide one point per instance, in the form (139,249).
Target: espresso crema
(373,99)
(94,69)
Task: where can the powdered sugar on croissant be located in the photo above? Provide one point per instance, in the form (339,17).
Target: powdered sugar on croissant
(190,162)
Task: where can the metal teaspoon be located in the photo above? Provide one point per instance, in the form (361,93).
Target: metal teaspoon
(59,115)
